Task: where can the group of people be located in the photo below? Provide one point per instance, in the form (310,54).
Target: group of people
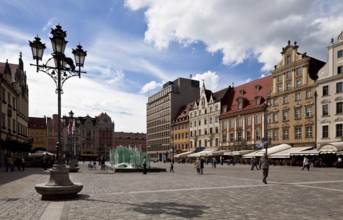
(11,163)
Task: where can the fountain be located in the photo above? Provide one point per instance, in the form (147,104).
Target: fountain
(127,159)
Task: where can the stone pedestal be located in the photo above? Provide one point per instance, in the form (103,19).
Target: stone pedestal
(59,185)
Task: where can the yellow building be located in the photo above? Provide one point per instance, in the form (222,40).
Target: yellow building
(180,141)
(37,132)
(291,116)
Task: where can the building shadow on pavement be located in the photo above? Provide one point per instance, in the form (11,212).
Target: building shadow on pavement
(159,208)
(6,177)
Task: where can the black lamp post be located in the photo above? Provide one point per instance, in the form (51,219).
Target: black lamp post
(62,70)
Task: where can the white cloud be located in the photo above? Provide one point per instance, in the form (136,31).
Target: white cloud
(210,79)
(239,30)
(150,86)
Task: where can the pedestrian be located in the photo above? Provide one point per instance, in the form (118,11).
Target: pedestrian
(197,165)
(264,164)
(306,164)
(144,165)
(214,162)
(171,166)
(9,163)
(202,163)
(23,164)
(44,161)
(254,163)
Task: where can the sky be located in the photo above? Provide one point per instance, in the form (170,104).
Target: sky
(135,46)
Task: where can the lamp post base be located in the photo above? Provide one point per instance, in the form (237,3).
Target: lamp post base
(59,185)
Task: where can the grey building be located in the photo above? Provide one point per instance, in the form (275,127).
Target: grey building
(162,108)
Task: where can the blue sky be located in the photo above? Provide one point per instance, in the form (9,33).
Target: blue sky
(134,46)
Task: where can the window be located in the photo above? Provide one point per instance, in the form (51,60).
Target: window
(298,83)
(248,136)
(325,90)
(224,138)
(308,111)
(211,130)
(325,110)
(285,99)
(231,137)
(288,74)
(297,132)
(298,71)
(339,69)
(269,120)
(297,96)
(339,107)
(339,87)
(285,134)
(258,119)
(200,132)
(279,88)
(240,104)
(224,125)
(258,134)
(288,86)
(339,53)
(239,136)
(297,113)
(275,135)
(248,120)
(258,101)
(308,94)
(339,130)
(279,77)
(199,122)
(308,132)
(285,116)
(275,116)
(210,120)
(276,102)
(240,122)
(205,130)
(205,121)
(232,123)
(325,131)
(288,59)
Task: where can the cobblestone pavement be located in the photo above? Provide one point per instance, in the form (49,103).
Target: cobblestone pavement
(227,192)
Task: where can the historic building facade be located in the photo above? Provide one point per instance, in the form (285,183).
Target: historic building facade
(242,118)
(330,96)
(129,139)
(89,137)
(204,118)
(14,103)
(291,116)
(37,132)
(179,131)
(162,108)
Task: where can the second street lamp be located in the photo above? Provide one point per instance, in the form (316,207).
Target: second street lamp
(59,185)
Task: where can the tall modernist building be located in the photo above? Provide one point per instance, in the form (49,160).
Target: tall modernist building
(291,117)
(14,102)
(162,108)
(204,118)
(330,96)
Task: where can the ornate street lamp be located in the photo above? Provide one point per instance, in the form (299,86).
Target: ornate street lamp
(265,140)
(59,185)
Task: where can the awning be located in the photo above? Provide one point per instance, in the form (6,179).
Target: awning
(184,154)
(312,152)
(204,153)
(271,150)
(331,148)
(288,152)
(237,152)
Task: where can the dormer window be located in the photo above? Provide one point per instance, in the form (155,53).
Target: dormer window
(258,88)
(258,100)
(240,104)
(241,92)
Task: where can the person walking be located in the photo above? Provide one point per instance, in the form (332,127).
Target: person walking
(144,165)
(254,162)
(197,165)
(171,166)
(264,164)
(306,164)
(202,163)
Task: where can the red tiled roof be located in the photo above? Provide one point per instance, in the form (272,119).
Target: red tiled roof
(249,95)
(184,111)
(37,123)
